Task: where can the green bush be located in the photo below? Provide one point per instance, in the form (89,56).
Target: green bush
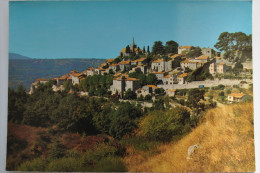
(110,164)
(65,165)
(163,126)
(38,164)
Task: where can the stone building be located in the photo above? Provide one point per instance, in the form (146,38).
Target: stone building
(77,77)
(182,78)
(218,68)
(35,84)
(122,84)
(191,64)
(132,49)
(235,97)
(159,75)
(124,65)
(209,52)
(114,67)
(171,92)
(182,49)
(146,90)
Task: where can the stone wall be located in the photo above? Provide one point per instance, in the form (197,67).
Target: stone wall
(206,83)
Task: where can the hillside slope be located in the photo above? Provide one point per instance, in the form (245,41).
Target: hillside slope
(226,138)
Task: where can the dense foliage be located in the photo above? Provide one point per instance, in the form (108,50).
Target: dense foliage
(97,85)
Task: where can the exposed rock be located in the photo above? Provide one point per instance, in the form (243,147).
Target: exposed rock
(192,149)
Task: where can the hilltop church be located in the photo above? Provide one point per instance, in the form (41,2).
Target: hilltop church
(131,49)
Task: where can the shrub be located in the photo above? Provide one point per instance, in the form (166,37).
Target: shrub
(65,165)
(148,97)
(164,126)
(110,164)
(38,164)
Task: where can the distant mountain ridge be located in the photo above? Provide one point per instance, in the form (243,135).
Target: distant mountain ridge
(26,70)
(17,56)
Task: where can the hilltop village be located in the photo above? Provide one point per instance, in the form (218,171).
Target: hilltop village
(140,73)
(111,117)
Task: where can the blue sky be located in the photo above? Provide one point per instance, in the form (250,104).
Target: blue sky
(100,29)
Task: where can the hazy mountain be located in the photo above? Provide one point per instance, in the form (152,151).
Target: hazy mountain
(17,56)
(25,71)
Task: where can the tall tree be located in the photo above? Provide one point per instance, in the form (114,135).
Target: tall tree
(194,52)
(171,47)
(158,48)
(233,42)
(144,49)
(148,49)
(127,49)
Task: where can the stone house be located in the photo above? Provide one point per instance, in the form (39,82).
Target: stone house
(218,68)
(122,84)
(248,65)
(36,83)
(124,65)
(132,83)
(159,75)
(171,92)
(114,67)
(235,97)
(182,49)
(203,58)
(158,65)
(146,90)
(171,78)
(208,52)
(188,63)
(143,68)
(139,61)
(109,61)
(182,78)
(89,72)
(77,77)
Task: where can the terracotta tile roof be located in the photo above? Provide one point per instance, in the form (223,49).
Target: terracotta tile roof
(74,71)
(167,76)
(38,79)
(110,60)
(91,68)
(185,47)
(158,60)
(59,78)
(237,95)
(218,57)
(183,75)
(188,61)
(174,72)
(113,65)
(152,86)
(158,72)
(140,59)
(131,79)
(103,64)
(221,63)
(175,56)
(124,62)
(202,57)
(123,50)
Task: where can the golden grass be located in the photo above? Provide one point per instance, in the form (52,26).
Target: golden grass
(226,135)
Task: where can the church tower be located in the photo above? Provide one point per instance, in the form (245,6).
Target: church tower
(133,46)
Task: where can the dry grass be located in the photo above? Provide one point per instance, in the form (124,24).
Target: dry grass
(227,139)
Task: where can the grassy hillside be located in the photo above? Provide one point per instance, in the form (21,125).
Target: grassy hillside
(226,137)
(25,71)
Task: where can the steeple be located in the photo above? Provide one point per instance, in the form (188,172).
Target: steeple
(133,45)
